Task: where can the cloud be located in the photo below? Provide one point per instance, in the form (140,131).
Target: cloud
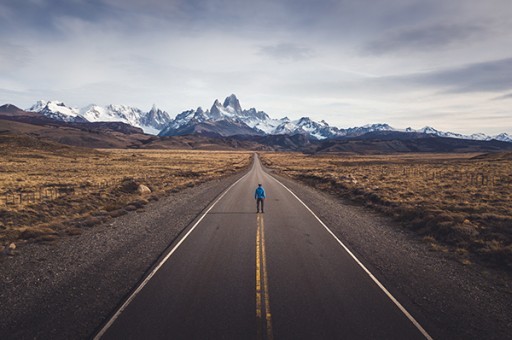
(422,38)
(490,76)
(13,57)
(286,52)
(485,77)
(504,97)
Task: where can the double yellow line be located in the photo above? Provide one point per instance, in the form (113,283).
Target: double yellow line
(262,295)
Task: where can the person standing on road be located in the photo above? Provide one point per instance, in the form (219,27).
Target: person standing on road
(259,196)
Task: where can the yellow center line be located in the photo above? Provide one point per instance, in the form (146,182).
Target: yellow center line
(265,283)
(262,285)
(258,272)
(259,311)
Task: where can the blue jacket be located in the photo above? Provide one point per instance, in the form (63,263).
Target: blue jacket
(260,193)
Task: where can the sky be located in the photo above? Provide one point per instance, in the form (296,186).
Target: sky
(408,63)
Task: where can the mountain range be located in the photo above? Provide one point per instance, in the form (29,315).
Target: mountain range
(151,122)
(34,128)
(228,119)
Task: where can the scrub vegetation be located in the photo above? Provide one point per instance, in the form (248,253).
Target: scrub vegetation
(48,190)
(457,203)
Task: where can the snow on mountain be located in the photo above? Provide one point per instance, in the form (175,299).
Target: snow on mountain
(183,119)
(151,122)
(307,126)
(503,137)
(231,111)
(260,121)
(56,110)
(228,115)
(361,130)
(226,119)
(155,118)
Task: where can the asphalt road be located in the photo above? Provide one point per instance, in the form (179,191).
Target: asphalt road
(236,274)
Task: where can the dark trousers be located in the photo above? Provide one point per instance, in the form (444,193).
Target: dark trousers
(260,201)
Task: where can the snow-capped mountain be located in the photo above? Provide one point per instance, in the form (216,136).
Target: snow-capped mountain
(307,126)
(235,120)
(227,119)
(503,137)
(58,111)
(253,121)
(359,131)
(151,122)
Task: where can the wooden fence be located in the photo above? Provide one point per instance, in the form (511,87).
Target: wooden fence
(25,196)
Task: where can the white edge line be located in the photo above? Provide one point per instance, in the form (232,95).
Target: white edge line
(162,262)
(381,286)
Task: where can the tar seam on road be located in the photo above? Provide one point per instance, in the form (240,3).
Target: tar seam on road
(380,285)
(153,272)
(262,292)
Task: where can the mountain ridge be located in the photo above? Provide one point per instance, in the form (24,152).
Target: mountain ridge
(231,112)
(227,119)
(15,122)
(151,122)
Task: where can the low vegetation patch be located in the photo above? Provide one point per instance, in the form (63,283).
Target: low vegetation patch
(47,193)
(458,203)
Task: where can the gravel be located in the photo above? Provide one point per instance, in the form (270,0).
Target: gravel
(67,289)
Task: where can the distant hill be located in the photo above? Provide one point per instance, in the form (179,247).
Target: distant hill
(401,142)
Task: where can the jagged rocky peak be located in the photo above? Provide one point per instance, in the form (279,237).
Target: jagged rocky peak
(253,113)
(304,120)
(216,110)
(428,129)
(233,103)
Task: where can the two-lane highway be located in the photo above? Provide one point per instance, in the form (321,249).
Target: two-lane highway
(236,274)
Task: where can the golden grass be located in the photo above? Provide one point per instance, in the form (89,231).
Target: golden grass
(65,190)
(455,202)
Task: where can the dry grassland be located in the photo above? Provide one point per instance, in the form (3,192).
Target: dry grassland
(47,193)
(458,203)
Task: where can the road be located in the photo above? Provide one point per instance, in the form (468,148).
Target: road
(236,274)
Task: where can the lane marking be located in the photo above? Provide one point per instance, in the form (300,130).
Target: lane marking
(259,311)
(262,291)
(380,285)
(162,262)
(268,314)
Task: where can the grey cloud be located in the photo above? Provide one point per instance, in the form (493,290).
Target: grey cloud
(504,97)
(286,52)
(423,38)
(491,76)
(43,16)
(488,76)
(13,57)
